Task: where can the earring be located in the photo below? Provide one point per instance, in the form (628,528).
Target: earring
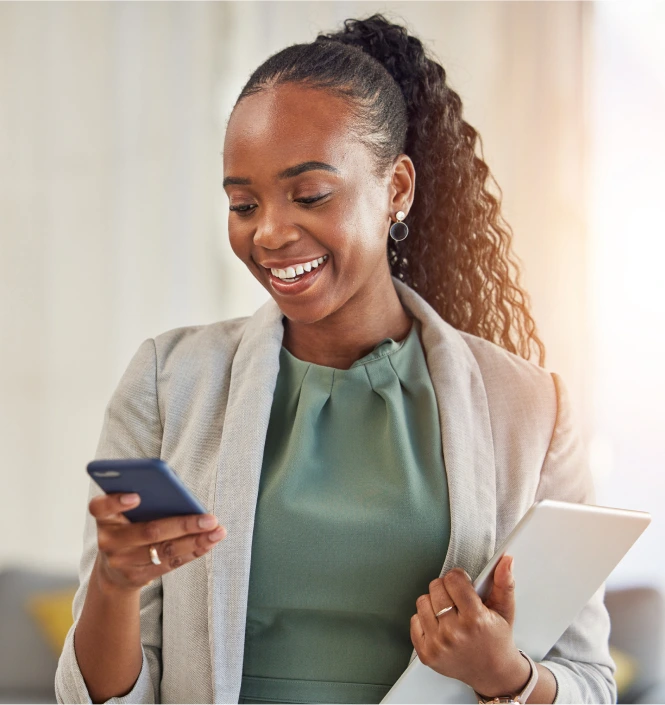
(399,230)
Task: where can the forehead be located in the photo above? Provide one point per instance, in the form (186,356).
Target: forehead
(286,125)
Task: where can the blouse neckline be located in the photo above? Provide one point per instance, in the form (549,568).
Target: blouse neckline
(382,349)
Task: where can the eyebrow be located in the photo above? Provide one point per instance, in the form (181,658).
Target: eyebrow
(286,174)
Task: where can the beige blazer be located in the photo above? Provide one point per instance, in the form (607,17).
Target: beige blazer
(199,397)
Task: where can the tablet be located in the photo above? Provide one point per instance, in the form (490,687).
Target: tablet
(563,553)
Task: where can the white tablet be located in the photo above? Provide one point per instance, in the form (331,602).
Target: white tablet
(563,553)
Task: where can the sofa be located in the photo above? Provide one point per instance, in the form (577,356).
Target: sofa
(35,614)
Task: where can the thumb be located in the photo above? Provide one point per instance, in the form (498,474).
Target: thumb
(502,597)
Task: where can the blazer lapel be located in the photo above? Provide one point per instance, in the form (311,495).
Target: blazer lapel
(252,385)
(466,437)
(467,449)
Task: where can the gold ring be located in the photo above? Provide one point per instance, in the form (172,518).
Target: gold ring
(154,557)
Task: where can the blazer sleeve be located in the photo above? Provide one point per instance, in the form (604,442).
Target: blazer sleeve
(131,429)
(580,660)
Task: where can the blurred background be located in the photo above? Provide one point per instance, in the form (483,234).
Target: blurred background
(113,230)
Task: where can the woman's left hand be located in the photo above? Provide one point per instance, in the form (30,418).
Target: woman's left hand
(473,642)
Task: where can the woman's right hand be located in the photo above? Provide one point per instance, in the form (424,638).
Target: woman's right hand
(123,560)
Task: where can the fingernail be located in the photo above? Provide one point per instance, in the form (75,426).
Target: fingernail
(510,567)
(467,575)
(129,498)
(207,522)
(216,534)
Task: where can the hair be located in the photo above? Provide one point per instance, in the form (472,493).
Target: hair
(459,256)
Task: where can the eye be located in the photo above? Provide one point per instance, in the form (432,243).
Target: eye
(242,210)
(311,199)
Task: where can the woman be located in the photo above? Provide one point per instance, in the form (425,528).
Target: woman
(367,437)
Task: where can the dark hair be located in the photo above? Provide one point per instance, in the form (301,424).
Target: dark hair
(458,255)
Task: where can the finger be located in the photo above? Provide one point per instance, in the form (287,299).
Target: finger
(460,589)
(439,595)
(108,508)
(428,621)
(197,549)
(138,568)
(177,548)
(502,596)
(417,635)
(144,533)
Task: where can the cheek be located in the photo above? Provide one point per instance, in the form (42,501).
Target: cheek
(240,243)
(364,235)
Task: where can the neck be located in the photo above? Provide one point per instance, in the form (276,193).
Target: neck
(351,332)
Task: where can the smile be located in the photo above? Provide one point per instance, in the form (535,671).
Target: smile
(294,280)
(292,273)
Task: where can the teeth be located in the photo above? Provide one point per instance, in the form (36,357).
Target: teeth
(299,269)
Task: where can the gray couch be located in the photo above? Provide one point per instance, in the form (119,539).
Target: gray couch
(28,661)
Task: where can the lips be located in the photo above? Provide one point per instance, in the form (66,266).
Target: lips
(303,282)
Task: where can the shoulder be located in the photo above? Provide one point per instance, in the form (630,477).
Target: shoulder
(512,383)
(191,368)
(218,340)
(528,412)
(497,363)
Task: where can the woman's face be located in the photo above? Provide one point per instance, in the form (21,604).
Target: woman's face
(302,187)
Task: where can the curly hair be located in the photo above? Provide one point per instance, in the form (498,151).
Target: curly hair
(459,259)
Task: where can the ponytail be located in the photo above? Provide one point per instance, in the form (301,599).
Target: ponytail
(458,255)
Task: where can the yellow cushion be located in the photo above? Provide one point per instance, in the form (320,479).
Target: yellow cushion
(53,613)
(627,668)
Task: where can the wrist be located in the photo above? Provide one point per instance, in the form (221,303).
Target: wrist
(108,590)
(512,680)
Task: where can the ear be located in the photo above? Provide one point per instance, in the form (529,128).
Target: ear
(402,186)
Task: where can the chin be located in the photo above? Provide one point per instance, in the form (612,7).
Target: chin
(305,314)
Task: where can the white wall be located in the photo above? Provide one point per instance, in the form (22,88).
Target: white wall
(110,202)
(627,245)
(112,216)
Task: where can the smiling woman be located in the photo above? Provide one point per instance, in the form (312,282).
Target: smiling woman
(368,109)
(325,203)
(368,437)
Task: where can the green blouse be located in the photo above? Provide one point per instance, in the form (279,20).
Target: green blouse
(352,523)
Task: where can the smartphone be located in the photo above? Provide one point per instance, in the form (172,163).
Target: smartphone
(162,492)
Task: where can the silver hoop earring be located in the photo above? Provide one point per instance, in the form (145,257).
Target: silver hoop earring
(399,230)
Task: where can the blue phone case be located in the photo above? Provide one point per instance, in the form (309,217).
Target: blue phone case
(162,492)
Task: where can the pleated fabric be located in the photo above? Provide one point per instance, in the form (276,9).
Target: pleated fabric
(352,523)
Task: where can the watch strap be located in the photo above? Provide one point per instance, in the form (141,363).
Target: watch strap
(528,688)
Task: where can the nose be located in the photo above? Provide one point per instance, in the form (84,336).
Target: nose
(274,229)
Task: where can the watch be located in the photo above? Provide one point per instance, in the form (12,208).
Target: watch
(520,697)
